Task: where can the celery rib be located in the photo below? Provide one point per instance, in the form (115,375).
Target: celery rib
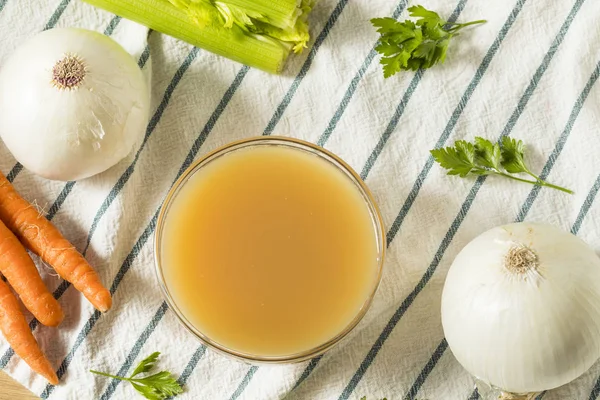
(280,13)
(254,50)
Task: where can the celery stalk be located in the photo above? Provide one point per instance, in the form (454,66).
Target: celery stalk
(204,27)
(282,14)
(283,20)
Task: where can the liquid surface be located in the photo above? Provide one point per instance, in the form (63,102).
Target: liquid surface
(269,251)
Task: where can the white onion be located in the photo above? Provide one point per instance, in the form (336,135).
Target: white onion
(521,307)
(73,103)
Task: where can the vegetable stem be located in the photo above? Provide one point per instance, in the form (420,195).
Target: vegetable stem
(547,184)
(122,378)
(456,25)
(256,50)
(111,376)
(550,185)
(538,181)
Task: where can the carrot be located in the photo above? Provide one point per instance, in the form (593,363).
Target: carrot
(41,237)
(15,329)
(23,276)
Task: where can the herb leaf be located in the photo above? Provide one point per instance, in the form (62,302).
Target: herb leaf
(458,160)
(158,386)
(387,25)
(427,16)
(161,384)
(409,46)
(487,153)
(513,155)
(146,364)
(486,158)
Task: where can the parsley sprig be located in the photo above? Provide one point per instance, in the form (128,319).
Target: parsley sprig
(157,386)
(486,158)
(412,45)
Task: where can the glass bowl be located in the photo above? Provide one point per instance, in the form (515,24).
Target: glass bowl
(296,145)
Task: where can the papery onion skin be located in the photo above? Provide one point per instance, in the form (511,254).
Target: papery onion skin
(71,132)
(524,332)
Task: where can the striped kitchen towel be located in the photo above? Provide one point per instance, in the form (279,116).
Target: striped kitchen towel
(531,72)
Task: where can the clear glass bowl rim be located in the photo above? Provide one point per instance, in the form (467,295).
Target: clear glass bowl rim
(298,145)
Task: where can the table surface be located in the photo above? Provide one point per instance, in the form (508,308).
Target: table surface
(12,390)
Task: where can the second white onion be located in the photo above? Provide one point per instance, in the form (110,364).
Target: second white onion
(521,307)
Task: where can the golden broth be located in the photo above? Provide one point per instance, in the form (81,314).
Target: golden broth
(269,250)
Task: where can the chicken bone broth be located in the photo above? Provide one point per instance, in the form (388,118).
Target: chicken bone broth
(270,250)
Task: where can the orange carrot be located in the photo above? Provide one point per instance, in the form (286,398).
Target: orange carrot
(41,237)
(23,276)
(15,329)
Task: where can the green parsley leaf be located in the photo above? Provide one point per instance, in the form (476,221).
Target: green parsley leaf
(458,160)
(426,16)
(441,49)
(513,152)
(412,45)
(146,364)
(425,50)
(486,158)
(487,153)
(386,25)
(388,49)
(158,386)
(391,65)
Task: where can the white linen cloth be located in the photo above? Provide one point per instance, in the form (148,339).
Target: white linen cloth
(529,72)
